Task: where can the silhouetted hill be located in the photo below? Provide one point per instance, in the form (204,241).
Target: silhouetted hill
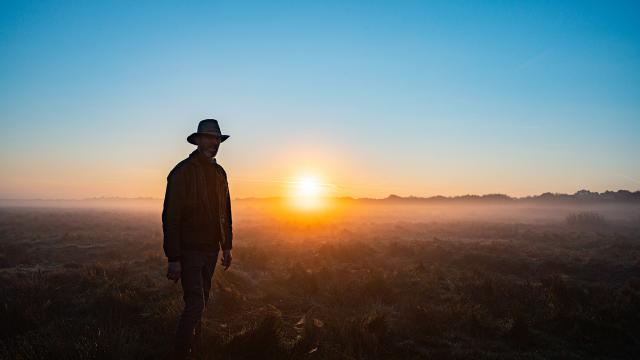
(579,196)
(582,196)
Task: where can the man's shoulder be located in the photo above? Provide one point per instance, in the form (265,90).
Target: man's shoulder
(180,168)
(221,169)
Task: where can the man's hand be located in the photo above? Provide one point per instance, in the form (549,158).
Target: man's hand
(226,258)
(174,270)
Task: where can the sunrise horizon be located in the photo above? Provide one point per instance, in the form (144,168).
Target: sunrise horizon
(388,196)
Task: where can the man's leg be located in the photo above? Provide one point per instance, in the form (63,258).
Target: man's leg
(208,269)
(207,274)
(193,295)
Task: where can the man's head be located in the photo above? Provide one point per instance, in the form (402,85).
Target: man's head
(208,137)
(208,144)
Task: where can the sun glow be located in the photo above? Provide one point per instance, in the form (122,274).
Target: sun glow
(308,193)
(308,187)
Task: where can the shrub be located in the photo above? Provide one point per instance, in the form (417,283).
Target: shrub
(586,219)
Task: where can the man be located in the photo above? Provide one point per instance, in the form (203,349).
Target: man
(196,221)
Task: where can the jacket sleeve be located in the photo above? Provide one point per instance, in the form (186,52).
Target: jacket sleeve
(229,234)
(172,214)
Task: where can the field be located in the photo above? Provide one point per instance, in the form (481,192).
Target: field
(90,284)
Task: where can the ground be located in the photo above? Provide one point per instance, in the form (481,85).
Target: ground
(90,284)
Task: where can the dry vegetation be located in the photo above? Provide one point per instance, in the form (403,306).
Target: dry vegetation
(89,284)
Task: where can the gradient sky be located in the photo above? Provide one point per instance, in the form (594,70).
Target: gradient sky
(411,98)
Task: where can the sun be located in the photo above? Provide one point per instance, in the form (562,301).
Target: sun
(308,192)
(308,186)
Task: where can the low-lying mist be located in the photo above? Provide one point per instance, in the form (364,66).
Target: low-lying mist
(352,279)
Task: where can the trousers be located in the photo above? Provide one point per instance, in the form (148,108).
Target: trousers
(197,268)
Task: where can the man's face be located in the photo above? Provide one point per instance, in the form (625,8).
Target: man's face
(208,144)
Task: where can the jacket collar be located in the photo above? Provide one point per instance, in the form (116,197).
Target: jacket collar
(201,157)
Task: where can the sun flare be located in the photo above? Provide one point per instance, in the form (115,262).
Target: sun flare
(308,192)
(308,187)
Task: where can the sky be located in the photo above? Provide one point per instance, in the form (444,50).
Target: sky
(369,98)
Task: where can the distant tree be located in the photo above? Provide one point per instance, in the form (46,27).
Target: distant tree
(586,219)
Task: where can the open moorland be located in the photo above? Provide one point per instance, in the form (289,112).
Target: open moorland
(378,284)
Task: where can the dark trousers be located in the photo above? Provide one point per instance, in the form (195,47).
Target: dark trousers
(197,271)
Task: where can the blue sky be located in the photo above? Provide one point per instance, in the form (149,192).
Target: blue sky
(412,98)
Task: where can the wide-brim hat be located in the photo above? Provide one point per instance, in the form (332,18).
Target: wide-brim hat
(208,127)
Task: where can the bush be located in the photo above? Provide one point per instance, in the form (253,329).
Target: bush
(586,219)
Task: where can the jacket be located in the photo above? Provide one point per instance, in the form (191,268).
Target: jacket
(188,217)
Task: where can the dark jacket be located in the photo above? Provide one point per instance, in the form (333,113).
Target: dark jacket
(190,219)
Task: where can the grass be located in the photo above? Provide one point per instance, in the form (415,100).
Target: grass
(90,285)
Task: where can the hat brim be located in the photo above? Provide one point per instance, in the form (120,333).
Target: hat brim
(191,138)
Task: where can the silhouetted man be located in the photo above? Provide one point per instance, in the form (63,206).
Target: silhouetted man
(196,221)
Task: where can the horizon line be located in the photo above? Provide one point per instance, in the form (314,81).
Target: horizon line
(390,196)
